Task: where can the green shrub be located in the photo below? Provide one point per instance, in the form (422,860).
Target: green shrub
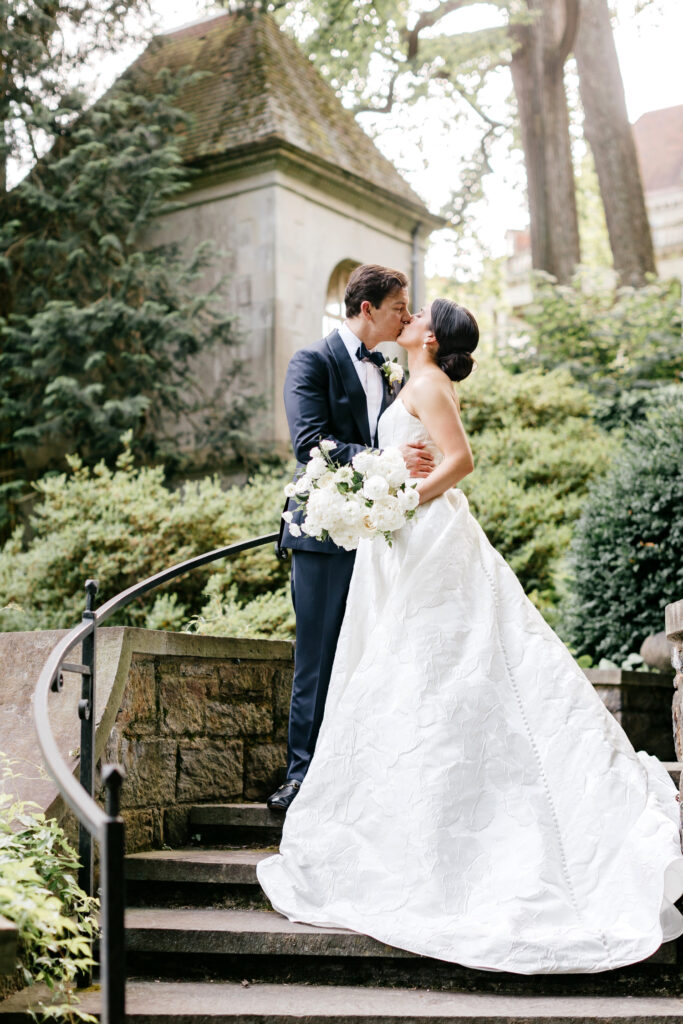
(627,555)
(269,615)
(535,449)
(55,919)
(621,343)
(122,525)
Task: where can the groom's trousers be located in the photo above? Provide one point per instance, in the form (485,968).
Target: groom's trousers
(320,583)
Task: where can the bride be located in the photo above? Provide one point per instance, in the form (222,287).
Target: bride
(470,797)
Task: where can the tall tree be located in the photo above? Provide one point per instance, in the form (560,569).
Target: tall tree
(419,53)
(609,134)
(45,44)
(543,45)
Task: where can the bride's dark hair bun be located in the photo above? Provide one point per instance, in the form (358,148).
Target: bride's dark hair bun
(457,333)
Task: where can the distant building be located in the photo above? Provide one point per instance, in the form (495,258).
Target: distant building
(287,183)
(659,143)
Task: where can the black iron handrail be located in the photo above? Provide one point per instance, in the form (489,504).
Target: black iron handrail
(106,826)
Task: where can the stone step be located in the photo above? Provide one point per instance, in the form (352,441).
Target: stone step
(151,1002)
(217,930)
(211,867)
(235,823)
(196,877)
(254,822)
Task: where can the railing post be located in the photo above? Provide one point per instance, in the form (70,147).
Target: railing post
(86,713)
(113,902)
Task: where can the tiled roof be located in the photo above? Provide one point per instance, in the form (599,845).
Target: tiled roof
(262,88)
(659,141)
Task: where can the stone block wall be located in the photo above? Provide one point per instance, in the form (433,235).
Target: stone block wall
(196,728)
(641,703)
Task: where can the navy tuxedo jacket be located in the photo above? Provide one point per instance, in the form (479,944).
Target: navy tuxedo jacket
(324,398)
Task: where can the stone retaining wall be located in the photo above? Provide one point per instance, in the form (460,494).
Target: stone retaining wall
(641,703)
(205,721)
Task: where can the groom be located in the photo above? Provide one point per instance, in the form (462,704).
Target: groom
(335,389)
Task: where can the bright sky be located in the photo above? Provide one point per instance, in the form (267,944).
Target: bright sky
(426,152)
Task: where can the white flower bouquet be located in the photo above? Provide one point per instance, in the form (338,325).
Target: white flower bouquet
(372,496)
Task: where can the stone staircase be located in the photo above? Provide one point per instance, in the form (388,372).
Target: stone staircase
(204,946)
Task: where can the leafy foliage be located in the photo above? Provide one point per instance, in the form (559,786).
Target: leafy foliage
(134,526)
(627,555)
(621,343)
(55,919)
(535,448)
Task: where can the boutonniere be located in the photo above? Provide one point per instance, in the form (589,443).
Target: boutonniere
(393,372)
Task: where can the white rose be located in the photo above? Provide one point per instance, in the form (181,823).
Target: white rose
(316,467)
(302,485)
(394,371)
(290,491)
(295,530)
(328,445)
(375,488)
(409,498)
(314,453)
(288,516)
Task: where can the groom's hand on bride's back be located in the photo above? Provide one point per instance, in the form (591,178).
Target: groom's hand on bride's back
(417,458)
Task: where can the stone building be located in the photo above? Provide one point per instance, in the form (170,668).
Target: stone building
(287,183)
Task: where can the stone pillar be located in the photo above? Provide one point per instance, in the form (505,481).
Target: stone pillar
(674,633)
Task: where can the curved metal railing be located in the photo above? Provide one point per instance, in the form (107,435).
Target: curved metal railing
(105,826)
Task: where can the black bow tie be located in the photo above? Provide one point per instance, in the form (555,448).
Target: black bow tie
(375,357)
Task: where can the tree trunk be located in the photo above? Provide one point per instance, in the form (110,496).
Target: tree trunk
(538,78)
(610,137)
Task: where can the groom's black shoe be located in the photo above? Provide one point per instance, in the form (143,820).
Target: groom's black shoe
(283,796)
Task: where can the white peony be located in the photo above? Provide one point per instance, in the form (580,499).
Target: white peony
(375,488)
(365,462)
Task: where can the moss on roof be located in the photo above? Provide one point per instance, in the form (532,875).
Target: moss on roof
(261,87)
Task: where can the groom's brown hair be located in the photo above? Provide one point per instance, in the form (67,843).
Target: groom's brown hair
(371,283)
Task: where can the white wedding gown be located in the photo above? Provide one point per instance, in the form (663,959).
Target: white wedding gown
(470,797)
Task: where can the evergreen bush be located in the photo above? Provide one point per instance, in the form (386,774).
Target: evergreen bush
(626,558)
(623,344)
(122,525)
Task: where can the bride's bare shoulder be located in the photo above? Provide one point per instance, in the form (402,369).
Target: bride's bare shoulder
(431,386)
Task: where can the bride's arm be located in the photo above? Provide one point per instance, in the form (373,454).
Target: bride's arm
(435,404)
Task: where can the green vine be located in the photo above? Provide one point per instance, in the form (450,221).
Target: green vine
(55,919)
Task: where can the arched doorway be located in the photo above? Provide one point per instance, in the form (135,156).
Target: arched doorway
(336,286)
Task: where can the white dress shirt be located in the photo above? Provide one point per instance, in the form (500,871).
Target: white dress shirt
(369,375)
